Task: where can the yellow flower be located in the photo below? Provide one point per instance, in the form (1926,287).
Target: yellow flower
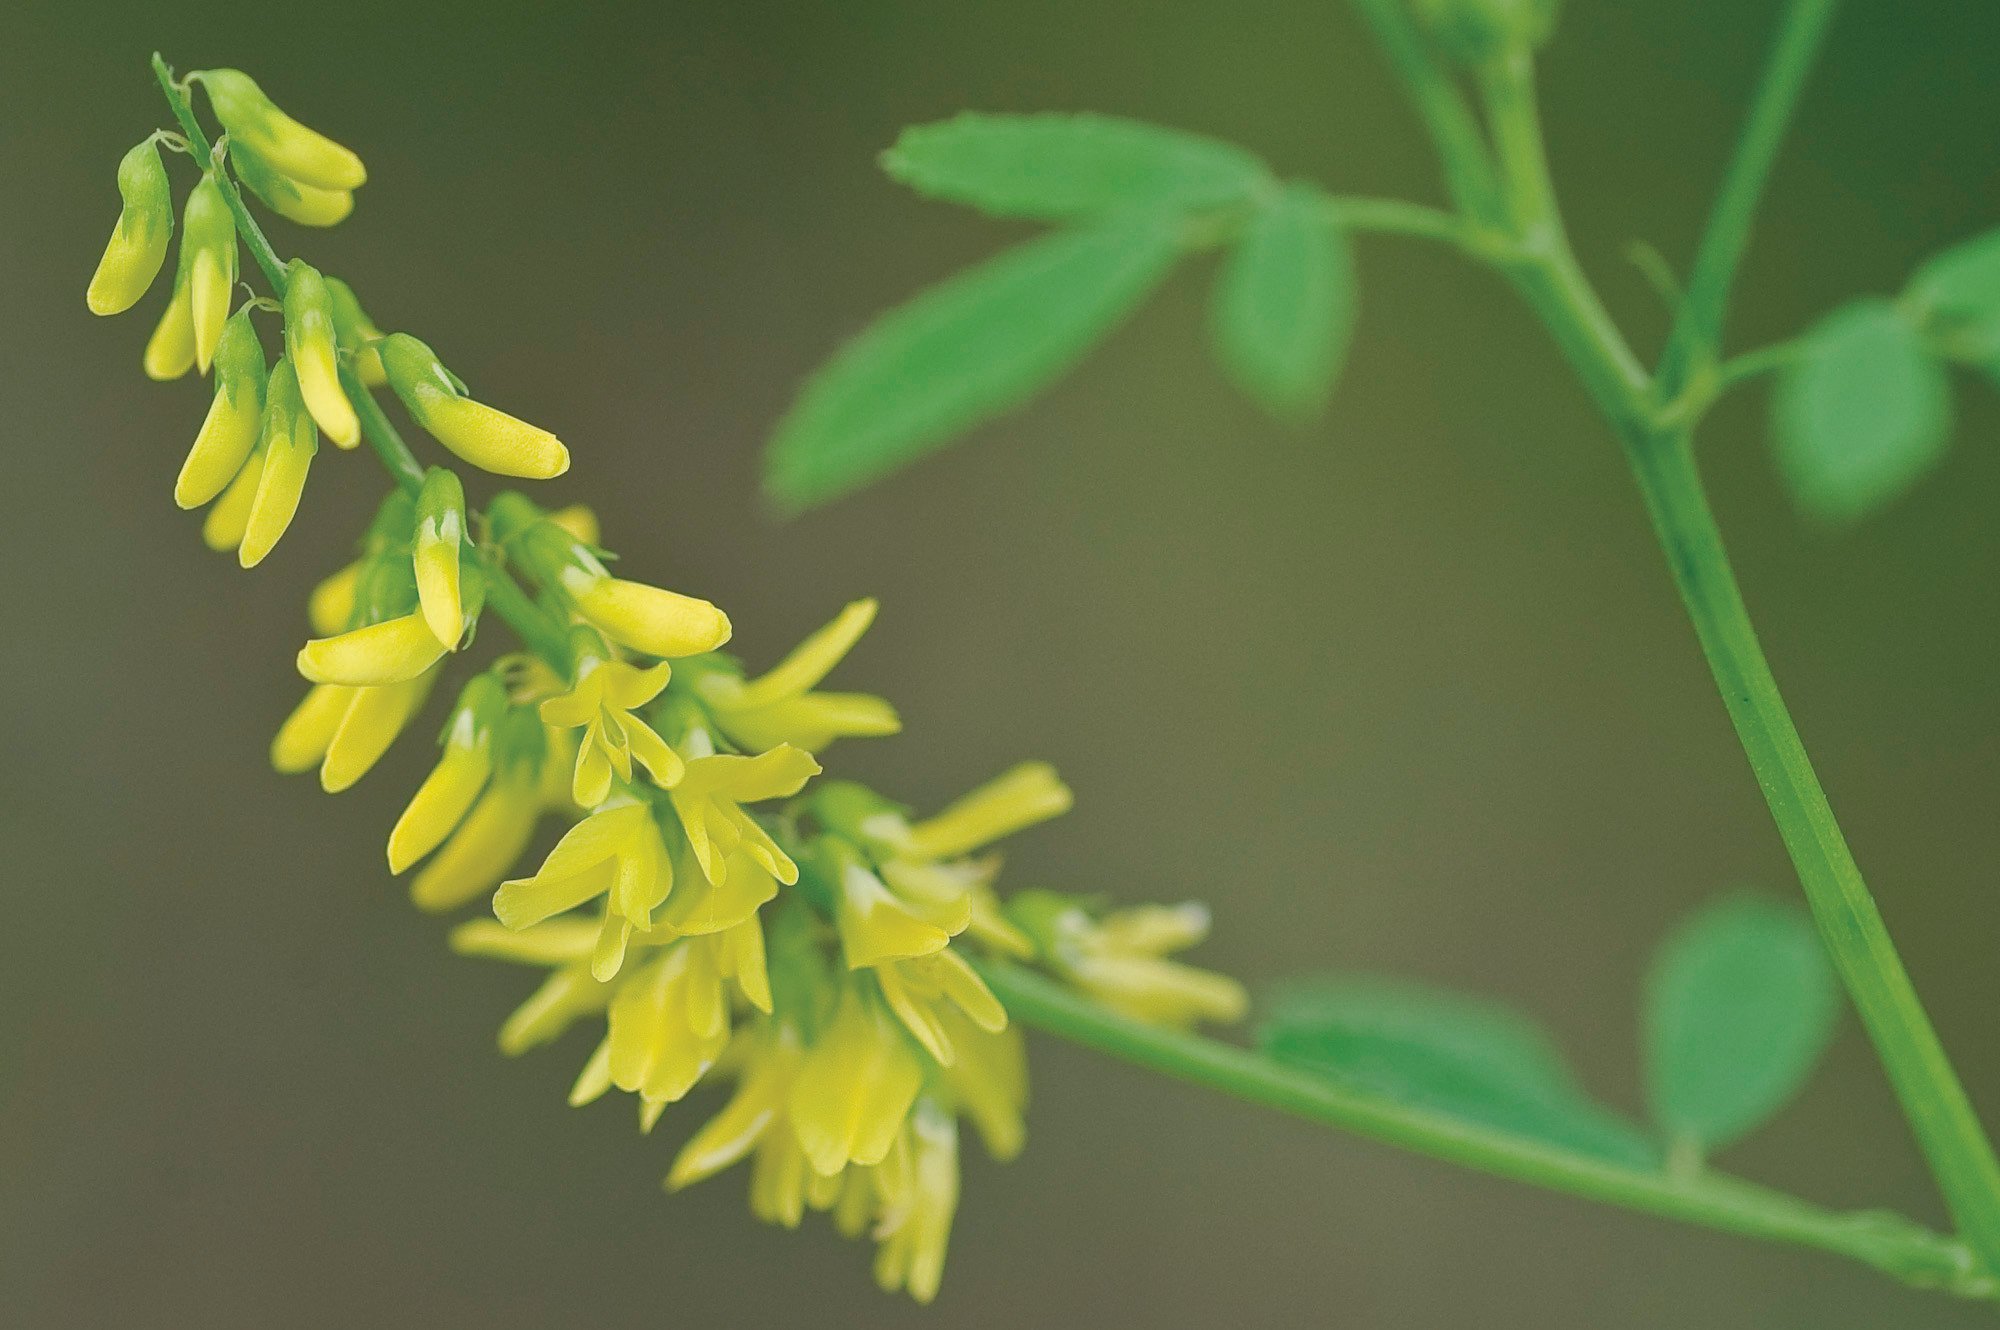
(356,332)
(615,852)
(709,799)
(921,989)
(440,534)
(668,1023)
(488,438)
(229,431)
(330,607)
(856,1086)
(644,618)
(344,730)
(209,237)
(878,923)
(780,706)
(768,1057)
(568,994)
(448,793)
(288,443)
(377,653)
(229,517)
(486,843)
(170,350)
(988,1080)
(602,702)
(1120,960)
(1010,802)
(295,200)
(138,245)
(254,121)
(919,1188)
(315,355)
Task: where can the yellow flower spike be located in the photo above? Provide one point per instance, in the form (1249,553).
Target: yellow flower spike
(616,849)
(988,1080)
(603,702)
(377,653)
(223,527)
(235,416)
(876,924)
(330,607)
(646,618)
(314,354)
(771,1053)
(373,720)
(855,1087)
(138,245)
(356,332)
(485,844)
(779,707)
(1011,802)
(440,533)
(447,794)
(210,238)
(291,149)
(170,350)
(709,798)
(917,1216)
(668,1024)
(488,438)
(294,200)
(918,991)
(289,442)
(302,741)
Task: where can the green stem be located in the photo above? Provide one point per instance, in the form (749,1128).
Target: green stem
(1659,451)
(1888,1242)
(503,595)
(1468,167)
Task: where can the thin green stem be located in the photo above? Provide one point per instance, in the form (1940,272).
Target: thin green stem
(1417,220)
(503,595)
(1697,332)
(1462,149)
(1888,1242)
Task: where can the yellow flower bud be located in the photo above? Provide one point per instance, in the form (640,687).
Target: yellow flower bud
(488,438)
(856,1087)
(1030,793)
(668,1023)
(579,521)
(379,653)
(302,740)
(483,846)
(330,608)
(308,205)
(170,350)
(779,707)
(289,442)
(229,431)
(446,795)
(373,720)
(356,332)
(440,533)
(922,1195)
(138,245)
(314,353)
(253,120)
(226,522)
(647,618)
(771,1055)
(209,237)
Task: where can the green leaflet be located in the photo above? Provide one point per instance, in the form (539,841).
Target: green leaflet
(1740,1004)
(963,351)
(1070,167)
(1464,1056)
(1285,305)
(1862,415)
(1956,297)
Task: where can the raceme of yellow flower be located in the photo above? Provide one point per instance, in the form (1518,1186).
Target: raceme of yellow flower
(727,914)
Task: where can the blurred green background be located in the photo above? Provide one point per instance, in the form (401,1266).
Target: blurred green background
(1405,692)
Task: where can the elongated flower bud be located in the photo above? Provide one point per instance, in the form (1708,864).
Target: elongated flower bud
(229,517)
(330,607)
(289,444)
(210,239)
(380,653)
(288,146)
(229,431)
(138,245)
(442,801)
(314,353)
(295,200)
(356,332)
(170,350)
(440,532)
(375,718)
(490,439)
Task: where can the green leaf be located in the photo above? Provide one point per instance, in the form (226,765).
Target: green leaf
(1453,1054)
(1956,297)
(1070,167)
(962,352)
(1740,1004)
(1862,415)
(1284,306)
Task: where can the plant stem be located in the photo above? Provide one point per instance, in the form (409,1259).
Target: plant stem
(1468,167)
(1659,451)
(1888,1242)
(505,596)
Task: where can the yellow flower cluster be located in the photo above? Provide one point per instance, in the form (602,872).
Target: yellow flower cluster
(720,911)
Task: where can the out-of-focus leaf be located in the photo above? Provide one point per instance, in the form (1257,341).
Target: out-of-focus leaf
(1956,296)
(1284,305)
(1450,1053)
(1740,1005)
(964,351)
(1862,415)
(1070,167)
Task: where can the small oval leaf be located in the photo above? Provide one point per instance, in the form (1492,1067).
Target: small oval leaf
(1740,1004)
(961,352)
(1070,167)
(1862,415)
(1956,297)
(1464,1056)
(1284,305)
